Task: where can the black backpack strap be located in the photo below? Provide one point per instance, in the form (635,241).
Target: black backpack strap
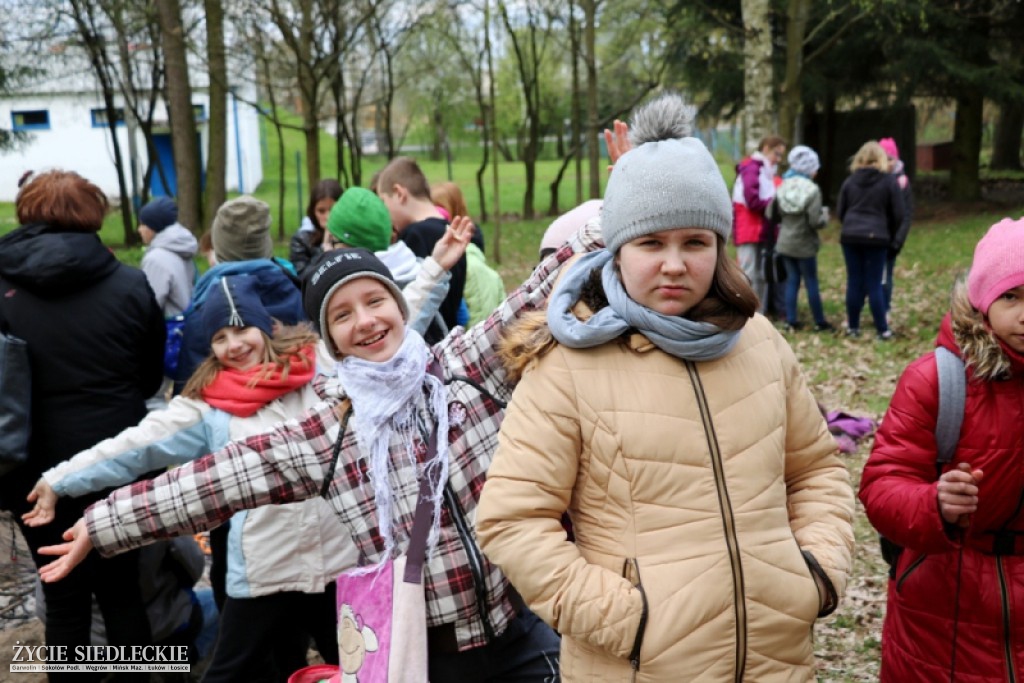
(952,398)
(326,486)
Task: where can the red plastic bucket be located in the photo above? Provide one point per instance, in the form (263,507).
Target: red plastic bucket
(318,673)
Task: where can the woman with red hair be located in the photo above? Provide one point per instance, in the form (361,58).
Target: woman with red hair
(95,337)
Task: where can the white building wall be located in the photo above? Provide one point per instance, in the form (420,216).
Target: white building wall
(73,144)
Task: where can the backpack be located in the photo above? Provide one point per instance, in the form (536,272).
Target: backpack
(952,398)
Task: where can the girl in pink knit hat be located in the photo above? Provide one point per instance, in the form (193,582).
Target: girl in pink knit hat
(956,586)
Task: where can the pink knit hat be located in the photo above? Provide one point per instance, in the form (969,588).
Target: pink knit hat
(998,263)
(889,145)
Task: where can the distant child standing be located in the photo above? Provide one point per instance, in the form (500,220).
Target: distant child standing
(752,192)
(801,216)
(954,607)
(896,168)
(167,262)
(406,193)
(306,243)
(871,211)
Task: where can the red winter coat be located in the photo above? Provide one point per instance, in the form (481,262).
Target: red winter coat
(752,192)
(898,490)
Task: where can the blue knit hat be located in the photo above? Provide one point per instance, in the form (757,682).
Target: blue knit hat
(233,302)
(158,214)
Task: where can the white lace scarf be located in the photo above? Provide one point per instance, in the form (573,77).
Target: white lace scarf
(386,401)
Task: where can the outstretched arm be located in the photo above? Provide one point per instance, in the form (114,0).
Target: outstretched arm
(286,464)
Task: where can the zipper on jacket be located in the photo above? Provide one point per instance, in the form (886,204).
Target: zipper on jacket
(476,564)
(1011,674)
(910,570)
(634,654)
(728,522)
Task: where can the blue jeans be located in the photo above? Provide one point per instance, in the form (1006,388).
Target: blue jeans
(527,652)
(806,268)
(865,266)
(890,265)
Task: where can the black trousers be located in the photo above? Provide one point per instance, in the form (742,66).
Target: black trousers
(114,581)
(266,638)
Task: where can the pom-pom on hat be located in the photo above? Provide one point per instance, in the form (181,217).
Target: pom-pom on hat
(803,159)
(241,230)
(889,145)
(667,181)
(998,263)
(331,272)
(361,219)
(159,214)
(233,302)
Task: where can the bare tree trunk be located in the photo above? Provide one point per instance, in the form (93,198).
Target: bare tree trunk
(496,186)
(217,125)
(758,78)
(184,141)
(964,180)
(574,117)
(1007,139)
(590,61)
(82,13)
(791,98)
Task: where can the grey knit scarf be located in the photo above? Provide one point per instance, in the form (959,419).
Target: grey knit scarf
(672,334)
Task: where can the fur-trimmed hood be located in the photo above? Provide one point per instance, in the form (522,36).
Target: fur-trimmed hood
(965,332)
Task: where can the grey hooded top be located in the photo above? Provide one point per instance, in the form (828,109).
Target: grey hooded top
(797,207)
(169,269)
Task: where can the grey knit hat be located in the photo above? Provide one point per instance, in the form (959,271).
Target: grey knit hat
(668,180)
(803,159)
(241,230)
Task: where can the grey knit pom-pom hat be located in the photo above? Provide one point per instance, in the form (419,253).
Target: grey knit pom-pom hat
(668,180)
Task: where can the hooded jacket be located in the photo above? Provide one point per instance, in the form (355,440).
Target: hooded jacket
(797,206)
(169,269)
(751,195)
(95,339)
(704,497)
(953,584)
(870,208)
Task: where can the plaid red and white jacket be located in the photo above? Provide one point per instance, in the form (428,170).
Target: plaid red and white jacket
(291,462)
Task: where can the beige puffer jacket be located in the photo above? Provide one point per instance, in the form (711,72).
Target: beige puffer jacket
(693,488)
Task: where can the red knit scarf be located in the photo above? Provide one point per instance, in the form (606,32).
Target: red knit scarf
(233,391)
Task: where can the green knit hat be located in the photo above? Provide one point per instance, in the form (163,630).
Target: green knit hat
(360,219)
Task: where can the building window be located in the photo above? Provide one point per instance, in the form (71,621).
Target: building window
(99,117)
(35,119)
(199,112)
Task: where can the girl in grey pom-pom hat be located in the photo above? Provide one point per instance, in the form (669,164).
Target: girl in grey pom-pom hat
(674,426)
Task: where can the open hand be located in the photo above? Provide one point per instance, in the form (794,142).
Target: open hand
(450,248)
(958,494)
(45,503)
(70,554)
(617,141)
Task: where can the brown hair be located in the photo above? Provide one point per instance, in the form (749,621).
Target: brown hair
(731,301)
(206,241)
(62,199)
(328,188)
(406,172)
(770,142)
(288,340)
(449,196)
(870,155)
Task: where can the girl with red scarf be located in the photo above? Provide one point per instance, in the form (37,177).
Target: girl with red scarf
(281,559)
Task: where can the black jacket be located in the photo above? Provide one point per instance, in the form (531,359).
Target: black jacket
(95,336)
(421,238)
(870,208)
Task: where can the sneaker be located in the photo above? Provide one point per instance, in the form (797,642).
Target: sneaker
(852,331)
(794,327)
(885,336)
(824,327)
